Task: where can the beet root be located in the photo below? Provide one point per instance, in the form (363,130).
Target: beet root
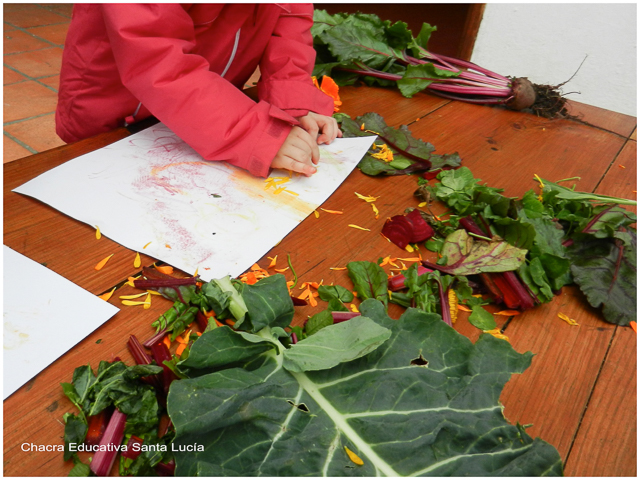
(542,100)
(524,94)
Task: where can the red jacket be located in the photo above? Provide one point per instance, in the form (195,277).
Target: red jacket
(186,65)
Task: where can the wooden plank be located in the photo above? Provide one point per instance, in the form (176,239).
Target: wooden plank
(611,414)
(614,122)
(553,392)
(398,110)
(505,148)
(621,179)
(606,443)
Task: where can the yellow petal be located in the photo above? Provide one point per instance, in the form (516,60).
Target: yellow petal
(422,204)
(281,270)
(353,457)
(367,198)
(129,303)
(98,234)
(107,296)
(316,213)
(147,301)
(137,262)
(463,308)
(508,312)
(409,248)
(103,262)
(273,261)
(291,193)
(359,228)
(570,321)
(337,268)
(354,308)
(375,210)
(336,212)
(131,297)
(146,245)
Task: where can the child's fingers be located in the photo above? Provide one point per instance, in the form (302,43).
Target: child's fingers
(306,142)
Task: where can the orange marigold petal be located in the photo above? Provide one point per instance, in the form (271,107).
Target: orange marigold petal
(106,296)
(508,312)
(634,326)
(180,349)
(166,269)
(103,262)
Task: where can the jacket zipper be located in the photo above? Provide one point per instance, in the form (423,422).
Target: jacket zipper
(233,53)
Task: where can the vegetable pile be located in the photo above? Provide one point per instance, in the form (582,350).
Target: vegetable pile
(405,397)
(350,47)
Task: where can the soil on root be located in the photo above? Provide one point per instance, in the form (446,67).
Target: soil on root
(549,102)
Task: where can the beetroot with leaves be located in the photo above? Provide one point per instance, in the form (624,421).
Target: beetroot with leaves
(352,47)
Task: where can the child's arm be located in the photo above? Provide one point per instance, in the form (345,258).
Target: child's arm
(286,67)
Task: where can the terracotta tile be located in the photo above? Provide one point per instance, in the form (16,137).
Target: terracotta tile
(18,41)
(11,76)
(27,99)
(12,150)
(30,15)
(39,63)
(53,33)
(53,82)
(39,133)
(60,8)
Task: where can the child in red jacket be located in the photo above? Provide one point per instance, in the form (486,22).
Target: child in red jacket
(186,65)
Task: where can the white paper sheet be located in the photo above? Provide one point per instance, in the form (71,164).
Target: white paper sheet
(151,189)
(44,316)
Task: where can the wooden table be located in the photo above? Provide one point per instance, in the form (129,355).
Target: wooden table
(580,391)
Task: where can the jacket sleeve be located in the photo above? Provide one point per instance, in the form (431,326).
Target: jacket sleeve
(287,64)
(151,44)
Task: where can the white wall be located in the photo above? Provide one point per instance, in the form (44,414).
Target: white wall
(547,42)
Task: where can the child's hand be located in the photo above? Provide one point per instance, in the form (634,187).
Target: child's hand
(314,123)
(299,153)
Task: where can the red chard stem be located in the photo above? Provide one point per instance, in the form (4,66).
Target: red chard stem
(105,457)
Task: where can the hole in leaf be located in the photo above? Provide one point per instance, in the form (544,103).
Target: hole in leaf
(300,406)
(420,361)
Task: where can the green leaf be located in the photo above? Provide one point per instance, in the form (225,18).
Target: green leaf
(318,321)
(328,292)
(335,344)
(606,272)
(75,431)
(440,416)
(369,280)
(221,347)
(79,469)
(268,303)
(419,77)
(568,194)
(466,256)
(482,319)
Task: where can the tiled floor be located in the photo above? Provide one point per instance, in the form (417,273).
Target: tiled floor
(33,40)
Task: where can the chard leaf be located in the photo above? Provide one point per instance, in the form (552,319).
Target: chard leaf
(606,272)
(268,304)
(419,77)
(335,344)
(318,321)
(482,319)
(221,347)
(607,221)
(568,194)
(369,280)
(466,256)
(75,431)
(412,154)
(439,416)
(329,292)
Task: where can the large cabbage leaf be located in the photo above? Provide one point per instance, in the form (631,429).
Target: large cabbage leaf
(426,402)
